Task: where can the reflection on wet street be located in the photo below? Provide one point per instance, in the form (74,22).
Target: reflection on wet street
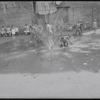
(20,56)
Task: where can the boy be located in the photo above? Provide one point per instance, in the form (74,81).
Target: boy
(94,26)
(8,31)
(13,32)
(27,29)
(34,31)
(78,29)
(64,41)
(50,35)
(81,27)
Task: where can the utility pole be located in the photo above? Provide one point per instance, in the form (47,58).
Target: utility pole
(34,6)
(33,11)
(4,9)
(92,14)
(73,14)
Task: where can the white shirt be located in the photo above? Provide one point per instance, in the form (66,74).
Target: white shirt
(2,30)
(16,29)
(27,29)
(13,31)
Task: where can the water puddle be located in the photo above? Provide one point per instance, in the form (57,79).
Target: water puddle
(22,57)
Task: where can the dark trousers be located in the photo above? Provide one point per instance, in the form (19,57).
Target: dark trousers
(64,43)
(81,28)
(78,31)
(8,34)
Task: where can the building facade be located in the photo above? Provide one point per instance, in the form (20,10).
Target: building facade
(18,13)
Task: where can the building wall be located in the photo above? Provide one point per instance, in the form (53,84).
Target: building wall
(78,11)
(87,11)
(17,13)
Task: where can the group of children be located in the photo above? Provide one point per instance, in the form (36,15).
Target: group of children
(65,39)
(12,31)
(9,31)
(80,26)
(28,29)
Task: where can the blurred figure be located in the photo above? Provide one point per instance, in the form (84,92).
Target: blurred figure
(34,28)
(65,40)
(16,30)
(81,26)
(40,28)
(8,31)
(49,28)
(69,27)
(3,31)
(87,25)
(33,35)
(27,29)
(13,32)
(94,25)
(50,35)
(78,30)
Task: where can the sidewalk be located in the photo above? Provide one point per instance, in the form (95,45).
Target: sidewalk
(7,39)
(91,32)
(55,85)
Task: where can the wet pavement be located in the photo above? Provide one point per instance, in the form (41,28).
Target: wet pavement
(20,56)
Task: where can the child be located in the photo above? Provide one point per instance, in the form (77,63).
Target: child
(95,26)
(13,32)
(27,29)
(49,28)
(81,27)
(78,29)
(33,28)
(2,31)
(64,41)
(33,31)
(8,31)
(61,42)
(50,35)
(67,37)
(16,30)
(40,28)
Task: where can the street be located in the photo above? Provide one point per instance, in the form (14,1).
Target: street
(57,73)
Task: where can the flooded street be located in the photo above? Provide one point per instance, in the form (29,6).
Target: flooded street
(19,56)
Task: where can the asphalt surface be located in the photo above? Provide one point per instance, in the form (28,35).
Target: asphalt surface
(20,56)
(72,72)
